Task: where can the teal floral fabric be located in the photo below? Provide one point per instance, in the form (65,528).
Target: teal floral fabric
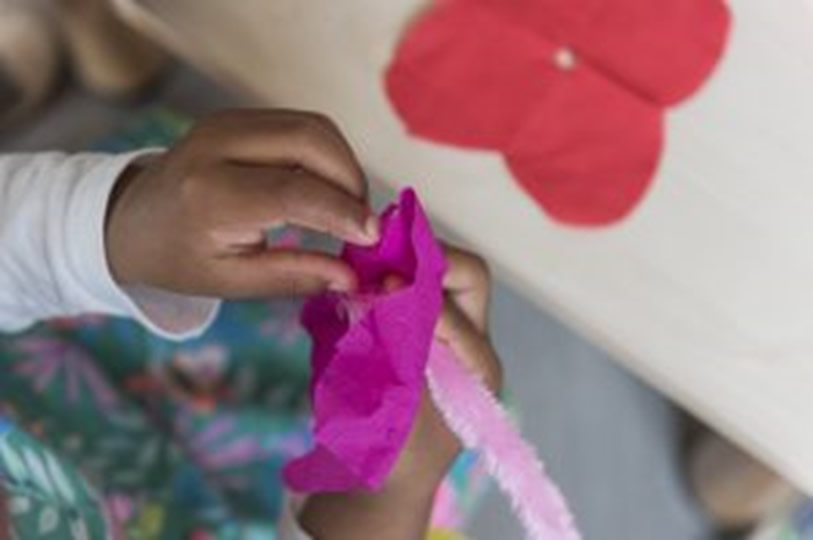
(172,437)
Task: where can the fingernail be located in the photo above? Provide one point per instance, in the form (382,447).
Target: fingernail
(371,232)
(338,287)
(393,282)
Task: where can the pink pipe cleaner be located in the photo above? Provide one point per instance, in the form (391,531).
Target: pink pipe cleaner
(476,417)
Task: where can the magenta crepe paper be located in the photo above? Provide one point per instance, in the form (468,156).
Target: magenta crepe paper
(369,356)
(373,352)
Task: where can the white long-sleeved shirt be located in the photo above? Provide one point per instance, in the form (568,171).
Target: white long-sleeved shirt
(52,250)
(53,261)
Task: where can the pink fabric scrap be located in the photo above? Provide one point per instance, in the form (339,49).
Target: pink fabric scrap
(369,357)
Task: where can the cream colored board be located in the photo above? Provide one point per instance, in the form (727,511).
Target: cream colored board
(706,291)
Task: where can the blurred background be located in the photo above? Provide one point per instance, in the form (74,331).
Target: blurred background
(72,72)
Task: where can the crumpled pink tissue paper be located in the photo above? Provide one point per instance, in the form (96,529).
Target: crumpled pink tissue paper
(370,354)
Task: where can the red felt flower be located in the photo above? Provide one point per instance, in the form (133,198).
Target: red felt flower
(571,92)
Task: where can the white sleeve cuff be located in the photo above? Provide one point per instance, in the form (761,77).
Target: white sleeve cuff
(170,315)
(164,313)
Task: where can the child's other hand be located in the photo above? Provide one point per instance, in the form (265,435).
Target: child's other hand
(463,326)
(194,220)
(402,509)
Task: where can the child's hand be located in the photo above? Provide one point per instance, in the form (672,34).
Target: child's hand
(194,220)
(401,510)
(432,447)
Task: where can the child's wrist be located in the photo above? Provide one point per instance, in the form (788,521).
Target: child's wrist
(395,512)
(115,234)
(415,486)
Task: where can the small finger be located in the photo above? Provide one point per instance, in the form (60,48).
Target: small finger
(471,346)
(468,284)
(283,272)
(393,282)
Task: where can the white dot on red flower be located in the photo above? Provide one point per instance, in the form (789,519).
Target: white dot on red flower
(564,58)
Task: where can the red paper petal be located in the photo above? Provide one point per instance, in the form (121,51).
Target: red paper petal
(571,91)
(463,76)
(588,151)
(661,50)
(554,20)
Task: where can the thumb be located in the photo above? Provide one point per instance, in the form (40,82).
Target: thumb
(472,348)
